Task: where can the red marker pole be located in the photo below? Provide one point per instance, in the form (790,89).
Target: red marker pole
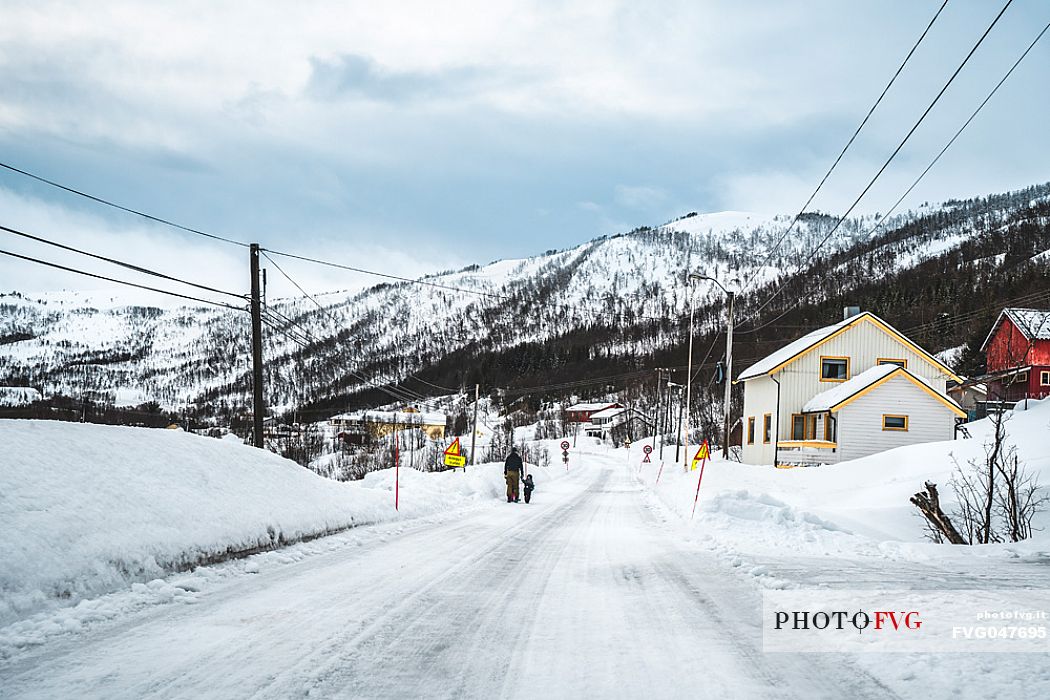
(397,472)
(660,472)
(701,478)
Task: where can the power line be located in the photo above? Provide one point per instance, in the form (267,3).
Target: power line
(129,266)
(129,210)
(436,386)
(451,288)
(309,339)
(402,393)
(959,132)
(845,148)
(892,156)
(116,281)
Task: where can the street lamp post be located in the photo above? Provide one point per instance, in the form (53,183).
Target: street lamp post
(730,298)
(684,426)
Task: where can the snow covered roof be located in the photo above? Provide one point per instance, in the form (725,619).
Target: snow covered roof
(799,347)
(590,406)
(834,399)
(392,417)
(826,400)
(608,413)
(1033,323)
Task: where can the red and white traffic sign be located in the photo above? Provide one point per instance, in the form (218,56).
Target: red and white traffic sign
(565,444)
(647,449)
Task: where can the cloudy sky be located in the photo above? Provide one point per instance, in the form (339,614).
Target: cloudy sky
(416,136)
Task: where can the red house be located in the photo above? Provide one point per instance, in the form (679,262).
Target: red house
(581,412)
(1017,355)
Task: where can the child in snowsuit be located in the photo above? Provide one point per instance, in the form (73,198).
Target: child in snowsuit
(529,486)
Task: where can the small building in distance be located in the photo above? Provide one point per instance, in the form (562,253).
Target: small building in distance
(582,412)
(1017,355)
(605,420)
(970,395)
(361,426)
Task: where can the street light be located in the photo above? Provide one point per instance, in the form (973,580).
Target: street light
(729,355)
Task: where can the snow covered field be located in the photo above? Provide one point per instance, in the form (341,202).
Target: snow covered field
(89,509)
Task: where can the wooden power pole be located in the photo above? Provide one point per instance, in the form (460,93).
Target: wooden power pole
(474,431)
(258,399)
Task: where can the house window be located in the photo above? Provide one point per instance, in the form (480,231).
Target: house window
(894,422)
(1044,378)
(767,428)
(834,369)
(803,426)
(892,361)
(751,430)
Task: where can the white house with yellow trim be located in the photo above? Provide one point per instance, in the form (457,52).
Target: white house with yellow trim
(844,391)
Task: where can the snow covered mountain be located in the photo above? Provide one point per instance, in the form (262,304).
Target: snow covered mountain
(609,302)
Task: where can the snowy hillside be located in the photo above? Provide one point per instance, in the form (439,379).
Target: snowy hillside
(622,296)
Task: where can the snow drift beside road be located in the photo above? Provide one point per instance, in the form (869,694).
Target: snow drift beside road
(856,508)
(87,509)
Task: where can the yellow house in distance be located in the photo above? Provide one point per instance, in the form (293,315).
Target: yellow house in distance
(845,391)
(358,425)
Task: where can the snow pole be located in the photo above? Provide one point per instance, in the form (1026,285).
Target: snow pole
(397,472)
(660,472)
(701,478)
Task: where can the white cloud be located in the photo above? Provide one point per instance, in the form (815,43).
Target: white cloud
(640,196)
(177,254)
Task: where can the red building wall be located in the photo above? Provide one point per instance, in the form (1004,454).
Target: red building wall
(1010,348)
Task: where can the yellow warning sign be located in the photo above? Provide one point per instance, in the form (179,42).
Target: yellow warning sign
(703,453)
(453,458)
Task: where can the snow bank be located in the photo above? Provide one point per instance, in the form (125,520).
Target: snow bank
(858,507)
(88,509)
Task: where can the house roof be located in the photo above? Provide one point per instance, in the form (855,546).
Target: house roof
(590,406)
(796,349)
(1034,324)
(608,413)
(835,399)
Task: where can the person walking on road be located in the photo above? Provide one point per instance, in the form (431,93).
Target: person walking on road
(512,470)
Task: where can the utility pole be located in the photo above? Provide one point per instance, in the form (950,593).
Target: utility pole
(729,374)
(678,442)
(689,372)
(474,432)
(258,400)
(658,410)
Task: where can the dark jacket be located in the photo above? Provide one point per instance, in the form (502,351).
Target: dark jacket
(513,463)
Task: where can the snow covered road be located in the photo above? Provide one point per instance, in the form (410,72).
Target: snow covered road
(583,593)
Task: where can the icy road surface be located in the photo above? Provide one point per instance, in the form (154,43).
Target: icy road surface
(585,592)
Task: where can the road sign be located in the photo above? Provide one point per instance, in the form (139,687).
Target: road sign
(453,458)
(565,454)
(565,444)
(647,449)
(703,453)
